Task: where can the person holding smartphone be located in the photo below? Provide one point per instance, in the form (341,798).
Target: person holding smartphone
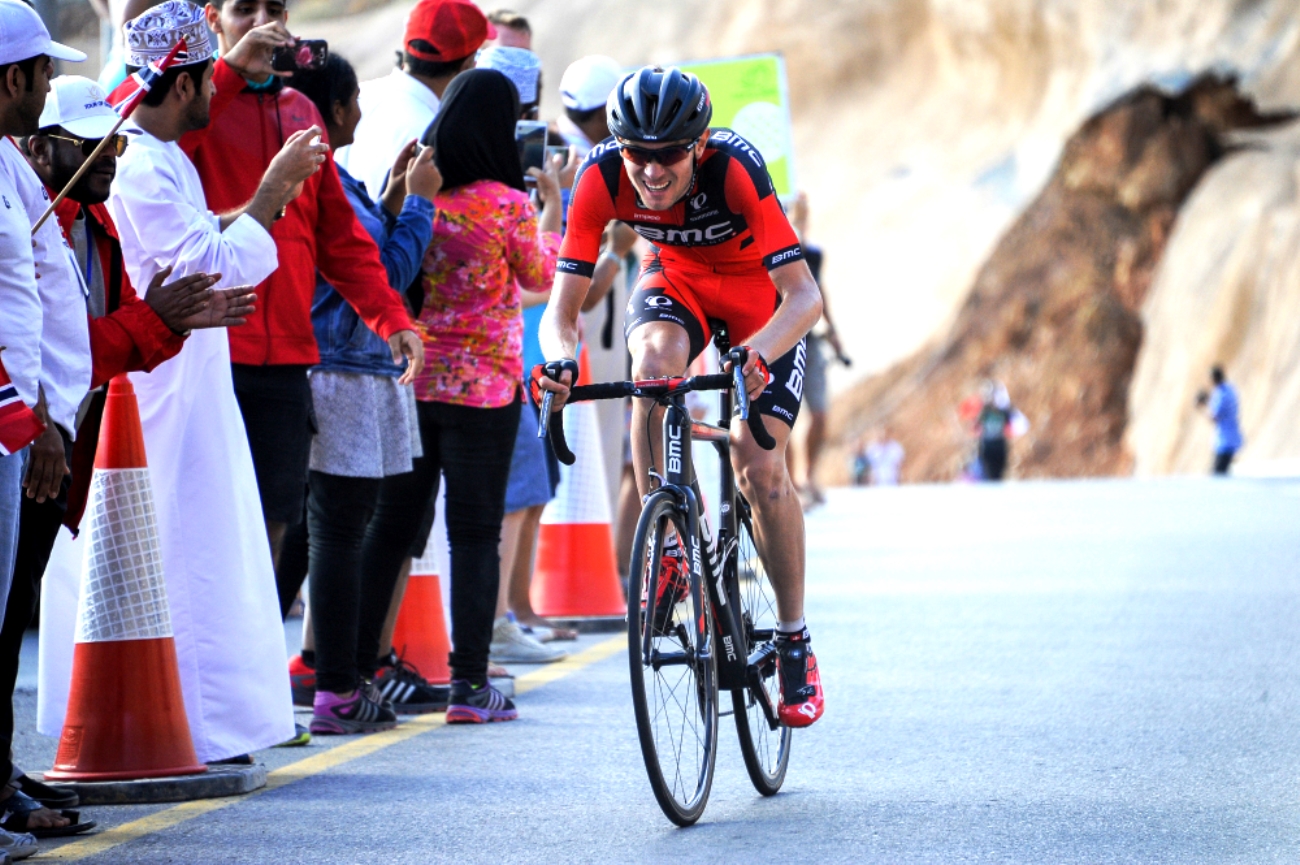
(488,243)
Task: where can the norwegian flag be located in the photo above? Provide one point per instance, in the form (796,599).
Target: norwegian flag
(19,425)
(139,84)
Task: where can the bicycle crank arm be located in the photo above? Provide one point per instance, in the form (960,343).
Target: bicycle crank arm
(762,656)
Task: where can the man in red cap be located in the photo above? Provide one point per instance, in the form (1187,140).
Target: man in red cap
(442,38)
(317,232)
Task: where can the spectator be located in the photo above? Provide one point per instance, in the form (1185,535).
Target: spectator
(126,333)
(1220,406)
(513,31)
(524,69)
(319,231)
(815,398)
(486,246)
(992,426)
(26,54)
(442,37)
(220,583)
(367,430)
(584,89)
(884,458)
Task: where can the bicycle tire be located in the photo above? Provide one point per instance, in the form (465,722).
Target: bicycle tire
(676,705)
(766,751)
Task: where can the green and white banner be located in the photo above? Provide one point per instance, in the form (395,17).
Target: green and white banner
(750,96)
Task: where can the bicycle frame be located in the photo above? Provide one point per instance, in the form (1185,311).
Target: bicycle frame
(736,668)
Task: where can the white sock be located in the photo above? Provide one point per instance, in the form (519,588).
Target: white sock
(794,627)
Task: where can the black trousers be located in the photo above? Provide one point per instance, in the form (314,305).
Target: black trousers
(993,458)
(1222,461)
(472,447)
(38,528)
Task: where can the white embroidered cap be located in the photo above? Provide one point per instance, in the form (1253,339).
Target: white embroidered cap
(520,65)
(152,35)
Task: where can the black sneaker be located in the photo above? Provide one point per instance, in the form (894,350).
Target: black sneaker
(360,714)
(478,704)
(401,684)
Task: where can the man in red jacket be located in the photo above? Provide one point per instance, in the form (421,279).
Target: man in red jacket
(251,118)
(126,333)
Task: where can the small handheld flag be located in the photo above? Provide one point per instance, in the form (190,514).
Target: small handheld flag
(19,425)
(143,81)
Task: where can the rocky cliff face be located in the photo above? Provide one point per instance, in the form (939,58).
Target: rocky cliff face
(1227,291)
(1055,313)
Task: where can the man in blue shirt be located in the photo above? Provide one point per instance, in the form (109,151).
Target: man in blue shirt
(1221,407)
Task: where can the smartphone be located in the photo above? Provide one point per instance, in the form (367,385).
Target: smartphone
(302,54)
(530,137)
(560,150)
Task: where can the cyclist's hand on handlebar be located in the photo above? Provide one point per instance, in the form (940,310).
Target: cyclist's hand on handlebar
(757,375)
(557,377)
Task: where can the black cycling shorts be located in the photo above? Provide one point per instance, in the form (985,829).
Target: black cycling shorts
(660,297)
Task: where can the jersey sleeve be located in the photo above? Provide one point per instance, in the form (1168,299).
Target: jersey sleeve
(591,207)
(751,194)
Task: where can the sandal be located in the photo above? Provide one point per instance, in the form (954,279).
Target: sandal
(50,797)
(19,807)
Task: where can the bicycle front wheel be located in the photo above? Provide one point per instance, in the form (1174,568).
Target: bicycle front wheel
(766,748)
(673,667)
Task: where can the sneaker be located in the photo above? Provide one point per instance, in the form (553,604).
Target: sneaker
(360,714)
(672,588)
(802,701)
(301,736)
(510,645)
(407,691)
(478,704)
(16,845)
(302,681)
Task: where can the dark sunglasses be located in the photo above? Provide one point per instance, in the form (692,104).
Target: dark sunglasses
(665,156)
(88,145)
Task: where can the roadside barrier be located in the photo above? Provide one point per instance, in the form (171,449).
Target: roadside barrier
(575,576)
(126,716)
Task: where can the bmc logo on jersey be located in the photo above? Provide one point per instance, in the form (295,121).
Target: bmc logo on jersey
(724,136)
(715,233)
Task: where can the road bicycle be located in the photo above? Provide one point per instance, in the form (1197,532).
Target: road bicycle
(686,647)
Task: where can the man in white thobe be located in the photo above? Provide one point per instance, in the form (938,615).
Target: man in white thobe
(216,562)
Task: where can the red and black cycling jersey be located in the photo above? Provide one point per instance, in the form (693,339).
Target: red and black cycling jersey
(730,222)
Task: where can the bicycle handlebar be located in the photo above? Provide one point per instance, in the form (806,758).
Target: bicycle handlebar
(552,425)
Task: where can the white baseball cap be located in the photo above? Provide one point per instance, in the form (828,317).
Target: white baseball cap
(23,35)
(80,106)
(588,82)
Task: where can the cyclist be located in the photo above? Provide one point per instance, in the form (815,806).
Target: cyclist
(722,250)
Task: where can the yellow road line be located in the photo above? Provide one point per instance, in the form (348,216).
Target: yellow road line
(315,764)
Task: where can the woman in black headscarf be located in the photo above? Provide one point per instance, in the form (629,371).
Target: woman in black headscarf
(488,242)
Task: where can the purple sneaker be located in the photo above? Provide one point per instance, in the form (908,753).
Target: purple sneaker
(478,704)
(334,715)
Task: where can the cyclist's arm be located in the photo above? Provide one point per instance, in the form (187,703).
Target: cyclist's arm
(559,327)
(801,307)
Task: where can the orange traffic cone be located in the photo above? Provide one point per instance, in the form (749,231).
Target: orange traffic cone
(420,635)
(576,576)
(126,716)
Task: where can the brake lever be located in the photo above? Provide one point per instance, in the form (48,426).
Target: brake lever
(544,421)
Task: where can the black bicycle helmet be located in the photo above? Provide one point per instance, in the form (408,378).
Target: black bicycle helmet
(657,104)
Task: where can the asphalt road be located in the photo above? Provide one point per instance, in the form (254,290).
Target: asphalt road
(1035,673)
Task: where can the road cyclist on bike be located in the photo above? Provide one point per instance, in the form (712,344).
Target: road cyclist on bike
(722,251)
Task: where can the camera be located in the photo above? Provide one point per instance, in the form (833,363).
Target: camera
(530,137)
(302,54)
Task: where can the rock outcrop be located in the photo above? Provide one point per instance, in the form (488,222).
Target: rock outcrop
(1055,313)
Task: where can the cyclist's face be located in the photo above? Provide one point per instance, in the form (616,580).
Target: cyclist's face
(661,186)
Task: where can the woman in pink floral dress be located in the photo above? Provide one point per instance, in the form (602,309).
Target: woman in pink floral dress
(488,242)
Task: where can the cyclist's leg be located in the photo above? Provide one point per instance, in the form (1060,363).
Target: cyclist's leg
(664,333)
(764,479)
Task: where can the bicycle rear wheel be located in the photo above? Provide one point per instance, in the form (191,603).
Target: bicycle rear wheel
(674,671)
(766,750)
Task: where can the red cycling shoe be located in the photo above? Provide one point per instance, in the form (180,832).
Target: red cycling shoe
(802,701)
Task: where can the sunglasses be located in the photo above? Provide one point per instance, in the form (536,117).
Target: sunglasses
(88,145)
(665,156)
